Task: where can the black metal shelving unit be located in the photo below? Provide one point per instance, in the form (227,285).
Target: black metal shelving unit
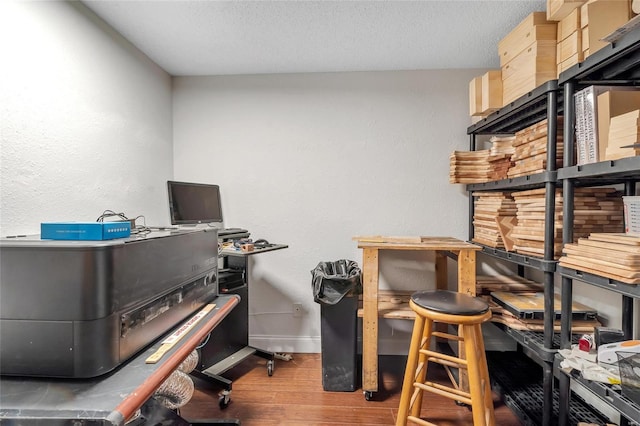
(615,64)
(519,382)
(544,102)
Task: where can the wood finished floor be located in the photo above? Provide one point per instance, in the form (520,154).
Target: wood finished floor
(294,396)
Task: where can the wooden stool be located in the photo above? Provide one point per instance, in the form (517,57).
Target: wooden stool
(468,313)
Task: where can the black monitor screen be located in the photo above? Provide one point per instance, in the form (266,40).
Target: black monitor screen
(191,203)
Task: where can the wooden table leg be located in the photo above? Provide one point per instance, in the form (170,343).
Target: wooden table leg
(467,272)
(370,320)
(441,271)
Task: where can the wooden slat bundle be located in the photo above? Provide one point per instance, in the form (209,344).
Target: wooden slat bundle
(612,255)
(484,165)
(489,206)
(595,210)
(530,145)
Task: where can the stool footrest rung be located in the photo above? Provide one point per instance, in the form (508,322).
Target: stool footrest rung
(420,421)
(446,363)
(447,336)
(445,391)
(438,355)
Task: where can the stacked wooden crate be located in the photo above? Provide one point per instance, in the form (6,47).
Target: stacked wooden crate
(528,234)
(528,56)
(598,18)
(582,24)
(491,211)
(530,149)
(559,9)
(485,94)
(595,210)
(569,51)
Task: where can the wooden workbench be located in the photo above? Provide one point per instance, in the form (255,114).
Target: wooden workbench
(464,252)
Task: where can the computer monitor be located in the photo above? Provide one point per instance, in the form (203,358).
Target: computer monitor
(193,203)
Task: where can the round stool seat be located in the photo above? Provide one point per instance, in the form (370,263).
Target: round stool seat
(450,302)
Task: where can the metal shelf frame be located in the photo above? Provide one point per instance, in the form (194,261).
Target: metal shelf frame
(615,64)
(544,102)
(519,259)
(520,385)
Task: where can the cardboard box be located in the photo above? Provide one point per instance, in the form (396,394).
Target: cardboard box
(559,9)
(569,47)
(569,25)
(475,97)
(584,40)
(612,103)
(534,27)
(631,214)
(587,124)
(584,16)
(603,17)
(485,93)
(491,91)
(569,62)
(531,68)
(521,84)
(539,57)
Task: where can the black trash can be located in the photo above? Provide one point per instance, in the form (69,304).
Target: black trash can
(336,286)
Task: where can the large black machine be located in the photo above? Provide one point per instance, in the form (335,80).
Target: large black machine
(78,309)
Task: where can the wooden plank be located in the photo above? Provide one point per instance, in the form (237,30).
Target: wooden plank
(600,269)
(618,238)
(568,263)
(467,272)
(608,246)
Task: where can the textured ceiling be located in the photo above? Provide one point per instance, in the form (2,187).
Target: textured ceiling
(254,37)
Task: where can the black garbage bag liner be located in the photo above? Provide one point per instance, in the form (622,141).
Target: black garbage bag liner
(333,280)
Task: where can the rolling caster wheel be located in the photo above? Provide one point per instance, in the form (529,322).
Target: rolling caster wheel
(368,395)
(270,367)
(224,399)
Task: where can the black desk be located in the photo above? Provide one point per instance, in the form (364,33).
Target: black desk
(229,344)
(110,399)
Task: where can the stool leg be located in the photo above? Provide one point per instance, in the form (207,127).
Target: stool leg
(421,375)
(486,382)
(409,374)
(482,415)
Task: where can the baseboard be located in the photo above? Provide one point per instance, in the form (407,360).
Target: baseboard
(494,340)
(312,345)
(286,344)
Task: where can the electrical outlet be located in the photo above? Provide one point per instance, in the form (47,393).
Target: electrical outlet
(297,310)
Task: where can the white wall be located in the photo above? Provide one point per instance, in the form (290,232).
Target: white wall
(85,120)
(312,160)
